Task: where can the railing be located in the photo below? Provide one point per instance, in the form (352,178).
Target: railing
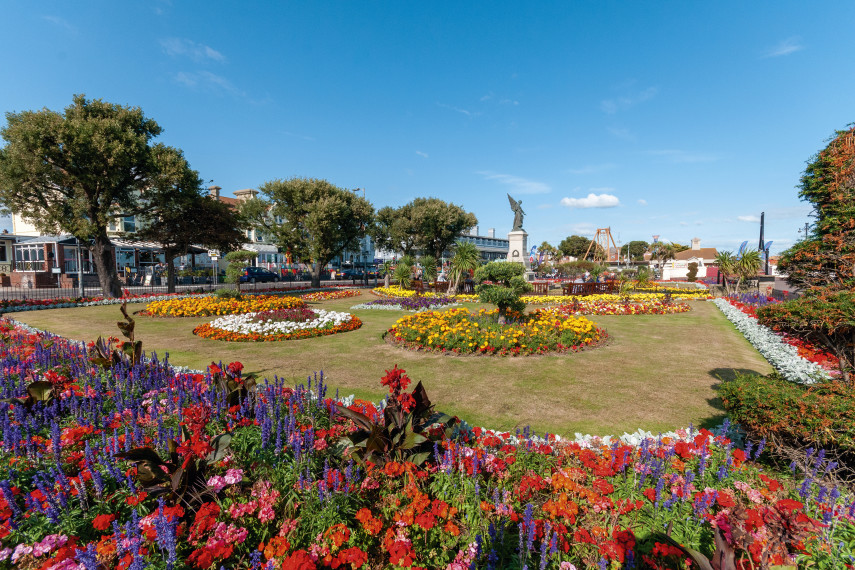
(29,266)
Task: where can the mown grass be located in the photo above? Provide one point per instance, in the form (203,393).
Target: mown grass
(656,372)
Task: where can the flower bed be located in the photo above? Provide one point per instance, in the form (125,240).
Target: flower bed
(396,292)
(407,304)
(261,481)
(289,324)
(584,306)
(16,305)
(458,331)
(330,295)
(213,305)
(783,357)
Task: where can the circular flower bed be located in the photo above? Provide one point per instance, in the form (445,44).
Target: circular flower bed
(283,324)
(407,304)
(212,305)
(329,295)
(460,332)
(644,307)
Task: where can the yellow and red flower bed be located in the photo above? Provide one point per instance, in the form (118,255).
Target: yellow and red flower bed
(397,292)
(330,295)
(614,298)
(458,331)
(584,306)
(215,306)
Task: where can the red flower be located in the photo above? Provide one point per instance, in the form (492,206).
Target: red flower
(299,560)
(103,522)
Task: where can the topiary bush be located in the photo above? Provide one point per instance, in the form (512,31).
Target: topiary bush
(505,285)
(793,417)
(692,274)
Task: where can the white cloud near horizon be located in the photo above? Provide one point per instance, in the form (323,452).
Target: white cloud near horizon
(592,201)
(750,218)
(612,106)
(422,154)
(520,185)
(642,201)
(785,47)
(195,51)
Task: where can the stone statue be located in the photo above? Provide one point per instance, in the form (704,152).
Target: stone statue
(518,213)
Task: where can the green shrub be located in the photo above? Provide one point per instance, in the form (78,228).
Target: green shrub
(506,286)
(792,416)
(228,293)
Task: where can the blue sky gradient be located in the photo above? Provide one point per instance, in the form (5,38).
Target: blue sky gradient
(679,119)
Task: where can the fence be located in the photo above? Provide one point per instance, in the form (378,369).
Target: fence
(91,287)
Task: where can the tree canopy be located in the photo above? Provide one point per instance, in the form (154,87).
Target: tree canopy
(635,250)
(429,225)
(574,246)
(826,258)
(311,218)
(74,172)
(181,215)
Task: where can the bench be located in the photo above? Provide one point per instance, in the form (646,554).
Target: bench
(540,288)
(418,286)
(582,289)
(440,286)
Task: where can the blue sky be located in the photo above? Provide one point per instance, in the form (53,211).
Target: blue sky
(680,119)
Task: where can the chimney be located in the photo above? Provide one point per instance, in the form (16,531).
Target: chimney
(491,232)
(696,244)
(246,193)
(214,192)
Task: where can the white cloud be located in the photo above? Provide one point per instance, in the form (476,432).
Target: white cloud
(622,134)
(208,80)
(592,168)
(612,106)
(786,47)
(518,184)
(458,109)
(683,156)
(751,218)
(299,136)
(62,23)
(592,201)
(642,201)
(684,223)
(422,154)
(195,51)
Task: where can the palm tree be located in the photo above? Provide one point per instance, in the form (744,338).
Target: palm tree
(428,263)
(748,266)
(726,267)
(466,258)
(403,274)
(662,252)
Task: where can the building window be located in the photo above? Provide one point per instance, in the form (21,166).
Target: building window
(129,224)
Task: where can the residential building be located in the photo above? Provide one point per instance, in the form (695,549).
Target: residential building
(678,267)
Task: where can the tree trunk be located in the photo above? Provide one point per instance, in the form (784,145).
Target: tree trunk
(316,275)
(105,266)
(386,280)
(170,274)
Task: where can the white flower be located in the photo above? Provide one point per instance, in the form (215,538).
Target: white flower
(246,323)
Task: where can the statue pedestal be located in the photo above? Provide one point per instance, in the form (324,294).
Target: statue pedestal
(518,248)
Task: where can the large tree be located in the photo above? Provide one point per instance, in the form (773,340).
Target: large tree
(574,246)
(826,258)
(635,250)
(429,225)
(181,214)
(74,172)
(311,218)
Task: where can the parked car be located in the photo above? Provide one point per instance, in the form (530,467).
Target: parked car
(352,274)
(257,274)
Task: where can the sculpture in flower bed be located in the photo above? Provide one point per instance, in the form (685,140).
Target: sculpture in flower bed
(278,325)
(457,331)
(216,305)
(72,493)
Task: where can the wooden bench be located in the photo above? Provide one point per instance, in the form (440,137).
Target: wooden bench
(440,286)
(540,288)
(582,289)
(418,286)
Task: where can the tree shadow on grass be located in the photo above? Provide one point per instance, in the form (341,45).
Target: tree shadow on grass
(722,375)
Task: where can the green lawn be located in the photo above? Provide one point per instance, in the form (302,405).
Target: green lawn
(657,372)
